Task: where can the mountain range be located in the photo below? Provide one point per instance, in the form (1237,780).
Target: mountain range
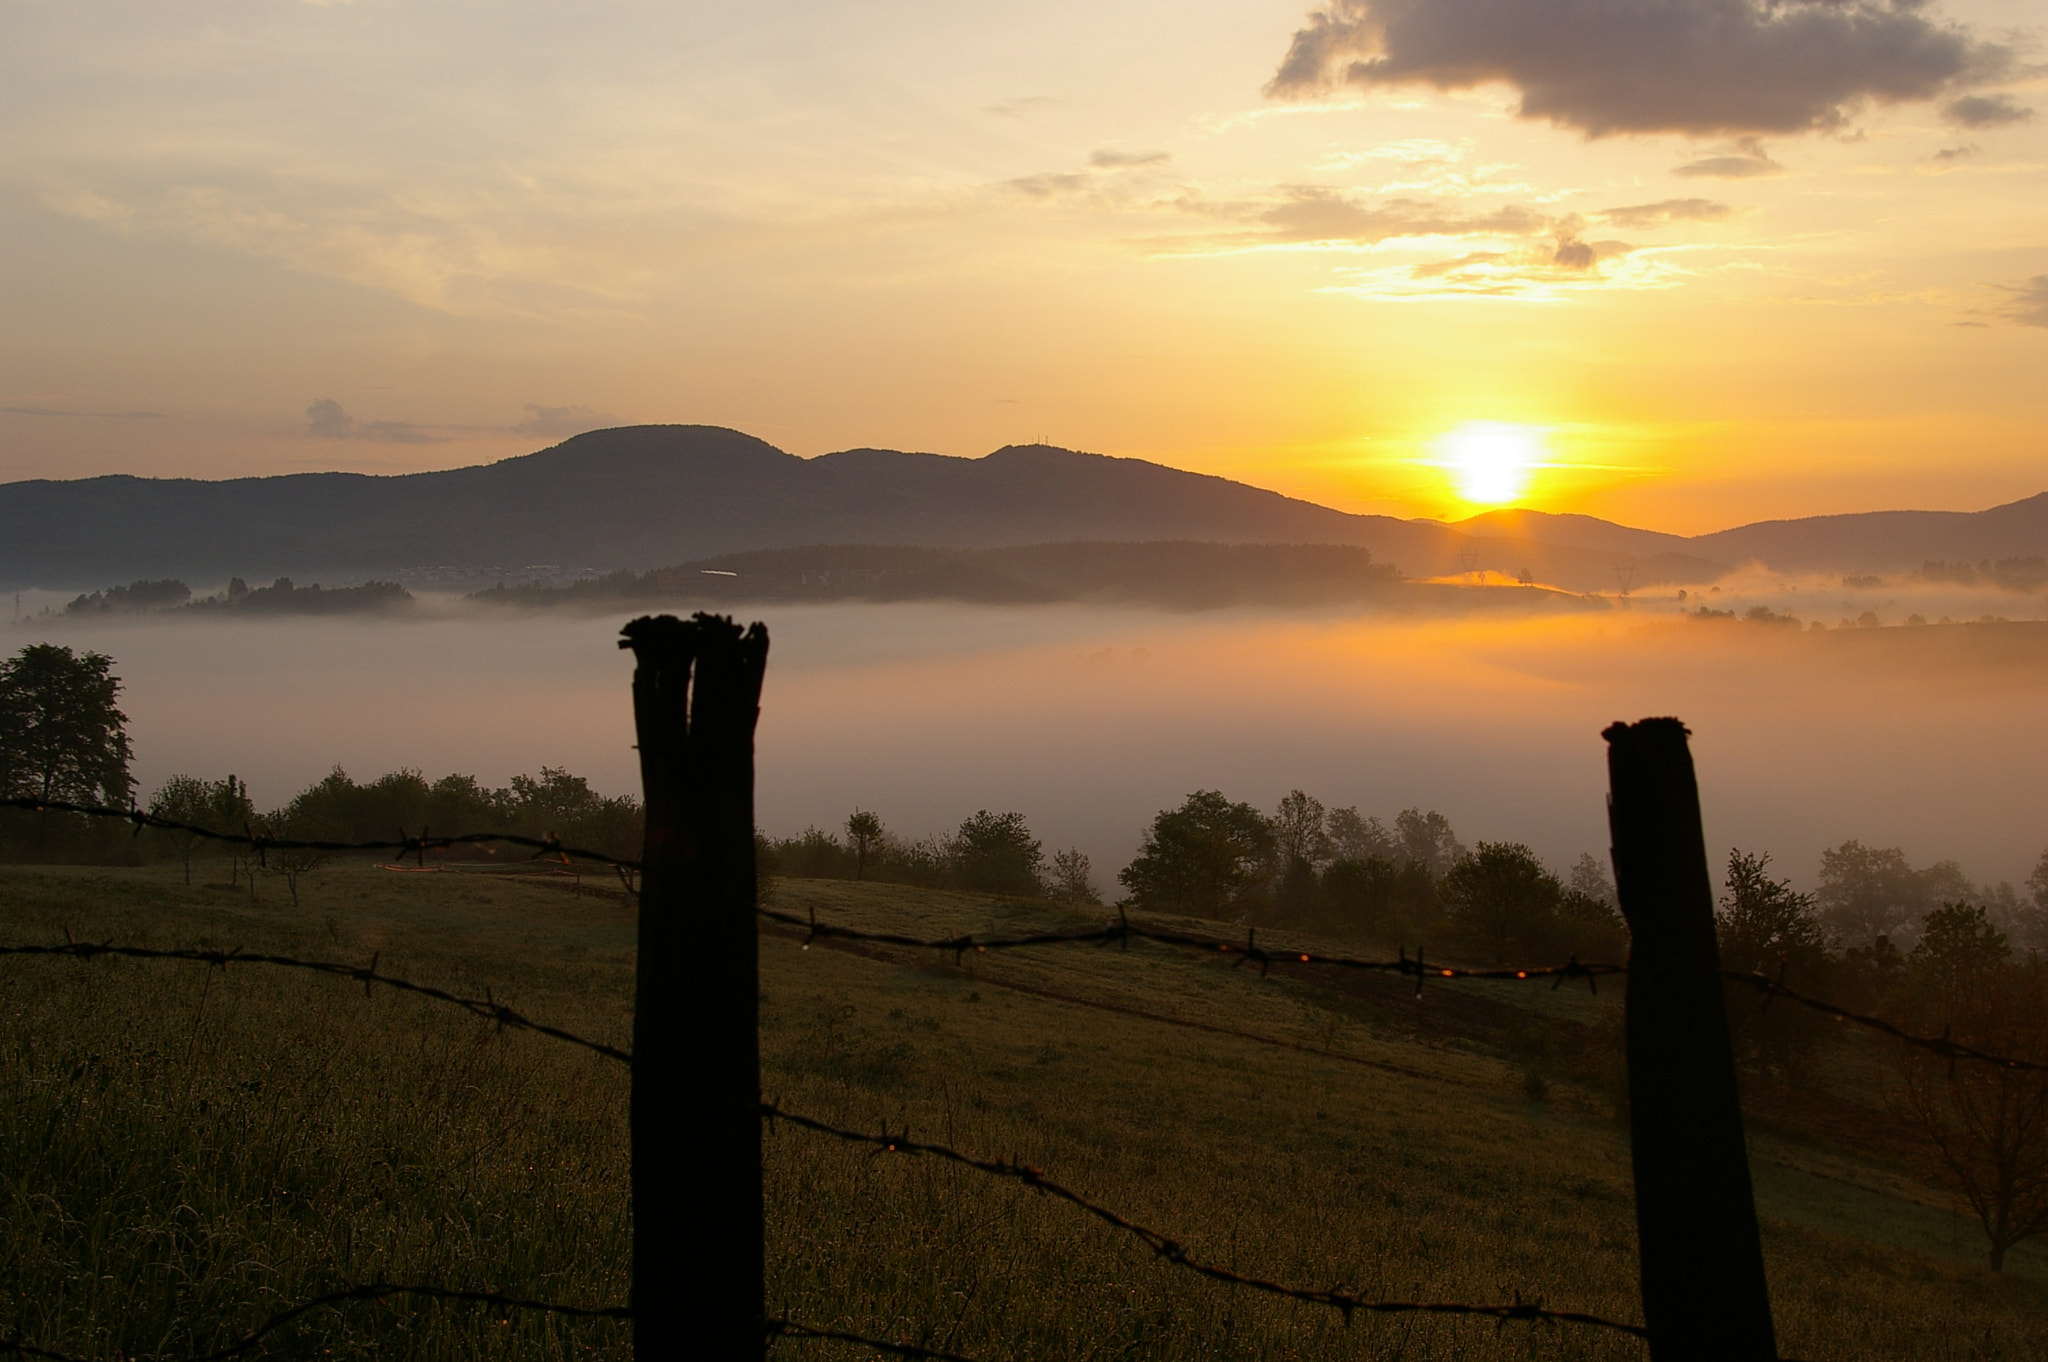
(642,497)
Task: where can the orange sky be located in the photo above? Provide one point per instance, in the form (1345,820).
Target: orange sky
(1731,261)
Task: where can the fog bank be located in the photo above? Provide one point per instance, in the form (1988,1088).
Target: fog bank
(1089,720)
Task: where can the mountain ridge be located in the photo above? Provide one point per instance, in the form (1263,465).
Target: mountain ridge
(642,497)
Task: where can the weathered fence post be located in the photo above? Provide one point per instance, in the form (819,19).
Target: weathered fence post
(696,1119)
(1704,1295)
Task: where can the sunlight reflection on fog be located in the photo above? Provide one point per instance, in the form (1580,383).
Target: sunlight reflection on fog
(1089,720)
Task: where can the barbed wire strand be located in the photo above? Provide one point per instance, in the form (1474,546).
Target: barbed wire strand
(1942,1045)
(261,842)
(1120,933)
(1174,1252)
(486,1007)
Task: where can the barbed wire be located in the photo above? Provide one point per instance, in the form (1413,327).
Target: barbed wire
(261,842)
(369,1291)
(1122,932)
(486,1007)
(1943,1045)
(1176,1253)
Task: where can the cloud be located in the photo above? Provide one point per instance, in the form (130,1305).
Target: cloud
(328,421)
(1746,160)
(2028,305)
(1106,159)
(1699,67)
(1955,153)
(1643,216)
(1313,213)
(1985,111)
(561,420)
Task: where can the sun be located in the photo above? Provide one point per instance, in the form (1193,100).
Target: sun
(1492,460)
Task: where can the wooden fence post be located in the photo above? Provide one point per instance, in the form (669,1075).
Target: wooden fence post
(1704,1295)
(696,1119)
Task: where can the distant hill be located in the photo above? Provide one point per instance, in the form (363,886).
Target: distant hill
(642,497)
(1172,575)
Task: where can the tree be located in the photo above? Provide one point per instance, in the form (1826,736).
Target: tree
(1372,894)
(1427,840)
(1503,898)
(228,810)
(1866,892)
(1985,1125)
(293,862)
(995,853)
(1201,857)
(1073,878)
(1301,846)
(1765,927)
(1298,831)
(183,799)
(1357,839)
(62,737)
(864,834)
(1589,877)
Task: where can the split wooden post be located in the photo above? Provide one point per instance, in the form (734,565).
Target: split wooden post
(1704,1294)
(696,1120)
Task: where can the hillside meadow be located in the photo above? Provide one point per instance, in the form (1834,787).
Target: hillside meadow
(186,1152)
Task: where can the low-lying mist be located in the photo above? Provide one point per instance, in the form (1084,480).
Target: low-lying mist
(1089,720)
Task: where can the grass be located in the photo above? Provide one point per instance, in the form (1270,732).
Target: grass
(184,1152)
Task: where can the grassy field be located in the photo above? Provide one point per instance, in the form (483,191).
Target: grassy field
(185,1152)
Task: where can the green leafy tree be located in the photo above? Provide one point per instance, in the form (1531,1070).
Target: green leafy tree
(864,834)
(62,738)
(62,734)
(1202,857)
(995,853)
(1501,898)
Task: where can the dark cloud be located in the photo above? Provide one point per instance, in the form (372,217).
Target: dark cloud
(1643,216)
(1955,153)
(1106,159)
(1313,213)
(561,420)
(2029,302)
(327,420)
(1699,67)
(1574,255)
(1746,160)
(1985,111)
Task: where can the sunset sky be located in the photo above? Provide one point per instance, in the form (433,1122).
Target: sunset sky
(1714,260)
